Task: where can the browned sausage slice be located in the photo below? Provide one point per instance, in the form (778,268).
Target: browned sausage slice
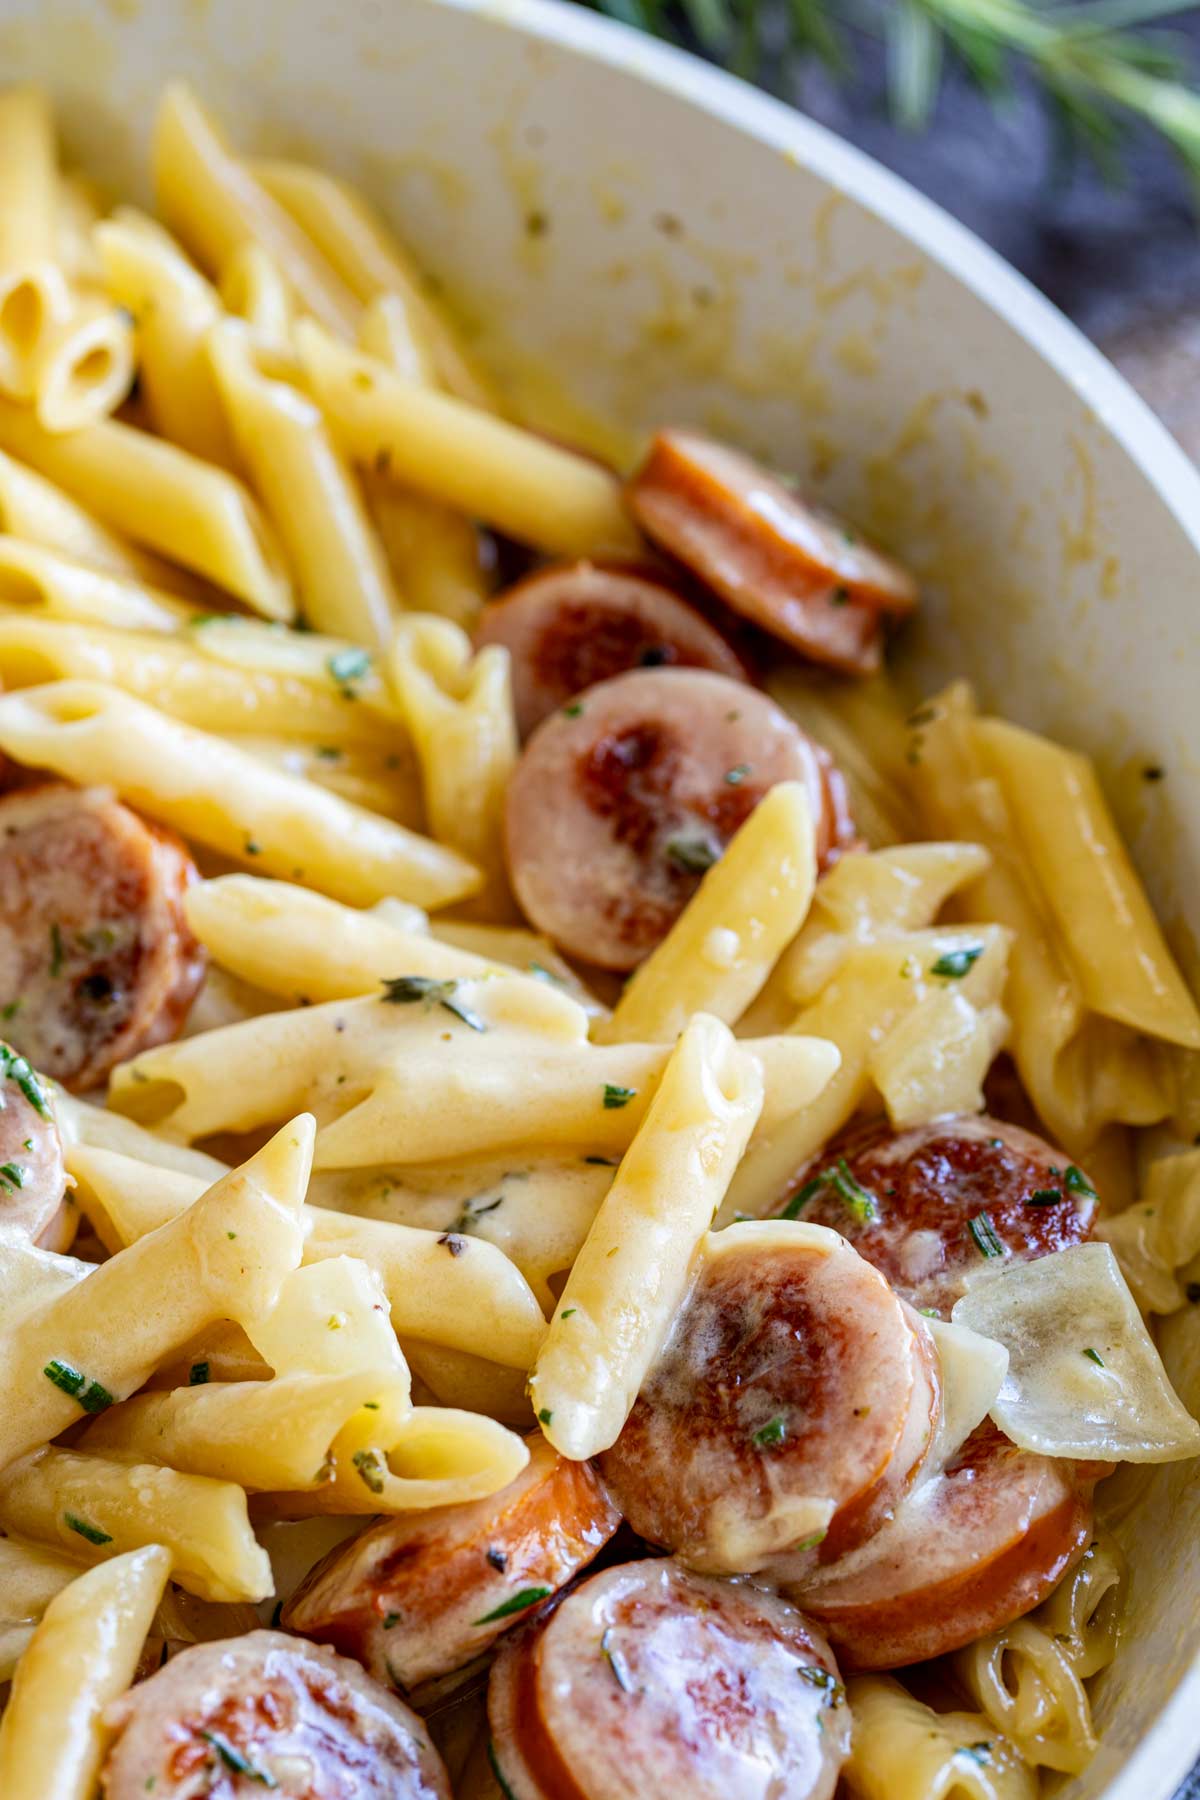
(648,1680)
(621,800)
(973,1549)
(773,557)
(574,624)
(792,1374)
(96,958)
(32,1178)
(930,1205)
(417,1597)
(268,1711)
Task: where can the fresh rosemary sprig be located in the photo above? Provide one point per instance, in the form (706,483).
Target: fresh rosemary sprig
(1092,62)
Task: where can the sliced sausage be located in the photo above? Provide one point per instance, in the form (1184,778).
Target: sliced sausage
(419,1596)
(792,1375)
(974,1548)
(929,1206)
(267,1711)
(777,559)
(621,800)
(32,1177)
(649,1680)
(96,958)
(575,624)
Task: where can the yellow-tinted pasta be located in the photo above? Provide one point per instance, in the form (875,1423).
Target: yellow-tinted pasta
(82,368)
(253,289)
(30,1576)
(32,290)
(214,204)
(101,1506)
(459,712)
(354,241)
(344,584)
(165,498)
(85,1651)
(223,797)
(632,1271)
(389,330)
(448,450)
(174,309)
(720,950)
(1159,1233)
(432,550)
(903,1750)
(1024,1684)
(39,581)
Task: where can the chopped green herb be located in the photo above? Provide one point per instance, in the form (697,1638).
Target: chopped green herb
(811,1542)
(984,1234)
(15,1068)
(737,774)
(980,1753)
(829,1685)
(15,1175)
(371,1470)
(231,1235)
(347,667)
(198,1374)
(151,1782)
(541,973)
(57,955)
(570,1312)
(515,1604)
(1095,1356)
(953,964)
(1045,1197)
(1078,1182)
(801,1198)
(615,1097)
(28,1144)
(929,1312)
(545,1416)
(840,596)
(390,1619)
(253,849)
(770,1434)
(233,1759)
(573,710)
(328,753)
(692,854)
(855,1198)
(616,1662)
(91,1395)
(370,1406)
(498,1772)
(404,990)
(92,1533)
(11,1010)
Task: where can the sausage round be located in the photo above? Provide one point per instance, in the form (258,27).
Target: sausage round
(575,624)
(417,1597)
(32,1177)
(271,1711)
(773,557)
(972,1550)
(96,958)
(941,1197)
(649,1680)
(622,800)
(792,1375)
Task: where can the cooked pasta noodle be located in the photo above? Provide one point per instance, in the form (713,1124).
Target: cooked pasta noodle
(904,1750)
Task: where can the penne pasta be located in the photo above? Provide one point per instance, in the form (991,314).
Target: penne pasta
(223,797)
(214,204)
(344,585)
(30,1577)
(903,1750)
(174,309)
(84,1654)
(38,581)
(447,450)
(720,951)
(83,366)
(632,1272)
(100,1507)
(164,498)
(253,289)
(32,289)
(358,245)
(433,552)
(459,712)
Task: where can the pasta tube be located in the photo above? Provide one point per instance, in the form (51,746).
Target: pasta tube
(83,365)
(345,587)
(459,711)
(432,550)
(32,289)
(721,949)
(39,581)
(30,1576)
(355,241)
(100,1507)
(630,1277)
(447,450)
(221,796)
(174,308)
(253,289)
(214,204)
(903,1750)
(161,496)
(222,1259)
(83,1656)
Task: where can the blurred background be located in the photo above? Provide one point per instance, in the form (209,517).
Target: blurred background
(1067,136)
